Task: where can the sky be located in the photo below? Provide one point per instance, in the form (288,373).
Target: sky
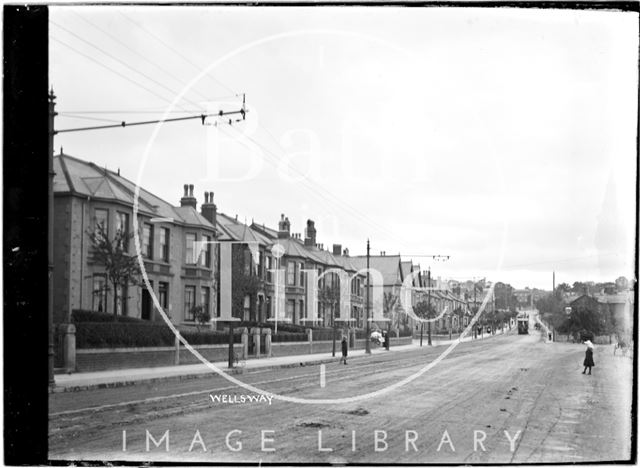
(504,138)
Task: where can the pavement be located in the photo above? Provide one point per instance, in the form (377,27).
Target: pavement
(124,377)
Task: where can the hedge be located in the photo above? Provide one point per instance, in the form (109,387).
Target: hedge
(93,316)
(287,337)
(140,335)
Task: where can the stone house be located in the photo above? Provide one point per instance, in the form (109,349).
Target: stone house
(180,274)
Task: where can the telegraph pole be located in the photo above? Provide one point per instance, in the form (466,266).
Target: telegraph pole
(52,132)
(52,114)
(367,341)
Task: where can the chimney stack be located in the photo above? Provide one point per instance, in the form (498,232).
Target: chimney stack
(188,199)
(209,209)
(284,227)
(310,234)
(337,249)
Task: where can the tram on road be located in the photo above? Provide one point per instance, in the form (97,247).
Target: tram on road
(523,324)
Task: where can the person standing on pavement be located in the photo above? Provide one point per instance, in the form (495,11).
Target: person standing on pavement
(588,357)
(345,349)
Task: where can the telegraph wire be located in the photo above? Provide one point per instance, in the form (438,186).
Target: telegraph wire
(176,52)
(153,80)
(324,194)
(71,115)
(155,110)
(88,57)
(353,210)
(142,56)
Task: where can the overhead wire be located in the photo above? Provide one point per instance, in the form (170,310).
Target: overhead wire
(88,57)
(175,51)
(135,52)
(323,193)
(122,62)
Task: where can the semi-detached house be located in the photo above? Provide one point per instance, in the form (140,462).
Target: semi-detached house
(180,276)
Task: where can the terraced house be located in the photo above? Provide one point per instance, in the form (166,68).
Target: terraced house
(180,275)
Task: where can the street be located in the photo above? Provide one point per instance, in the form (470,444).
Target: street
(508,399)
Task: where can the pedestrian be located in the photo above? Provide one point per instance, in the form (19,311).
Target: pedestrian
(588,357)
(345,348)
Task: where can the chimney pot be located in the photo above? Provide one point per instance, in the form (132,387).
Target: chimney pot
(191,190)
(186,190)
(206,197)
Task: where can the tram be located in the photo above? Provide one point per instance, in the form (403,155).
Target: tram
(523,324)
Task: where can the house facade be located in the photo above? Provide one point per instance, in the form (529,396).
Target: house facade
(180,275)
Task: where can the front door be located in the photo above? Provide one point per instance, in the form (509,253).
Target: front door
(147,304)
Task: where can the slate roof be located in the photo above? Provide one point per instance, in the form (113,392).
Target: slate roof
(86,179)
(241,232)
(387,265)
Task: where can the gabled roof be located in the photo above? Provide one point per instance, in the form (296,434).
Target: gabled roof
(240,231)
(387,265)
(86,179)
(267,231)
(346,263)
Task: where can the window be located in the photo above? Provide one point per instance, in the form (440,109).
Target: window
(269,267)
(246,307)
(291,272)
(205,299)
(147,240)
(190,250)
(102,220)
(164,243)
(163,295)
(189,302)
(122,227)
(300,268)
(99,293)
(205,259)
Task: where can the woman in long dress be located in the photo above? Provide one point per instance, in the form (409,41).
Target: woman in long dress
(588,357)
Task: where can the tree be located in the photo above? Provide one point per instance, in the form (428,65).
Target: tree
(622,284)
(425,310)
(121,268)
(200,315)
(580,288)
(551,308)
(390,308)
(330,294)
(563,288)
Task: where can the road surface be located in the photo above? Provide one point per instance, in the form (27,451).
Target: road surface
(508,399)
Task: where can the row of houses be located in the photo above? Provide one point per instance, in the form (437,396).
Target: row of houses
(202,258)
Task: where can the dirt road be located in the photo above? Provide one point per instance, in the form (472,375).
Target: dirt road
(511,398)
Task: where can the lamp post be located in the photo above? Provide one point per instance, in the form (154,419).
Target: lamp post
(367,348)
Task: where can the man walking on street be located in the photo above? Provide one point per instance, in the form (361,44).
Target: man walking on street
(345,348)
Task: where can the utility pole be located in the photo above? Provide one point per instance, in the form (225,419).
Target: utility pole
(429,306)
(52,132)
(367,340)
(52,114)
